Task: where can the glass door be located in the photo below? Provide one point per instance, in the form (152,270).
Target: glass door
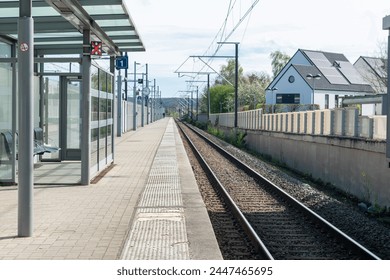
(61,117)
(51,115)
(71,119)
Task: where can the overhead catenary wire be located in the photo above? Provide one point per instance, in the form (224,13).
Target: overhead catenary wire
(222,31)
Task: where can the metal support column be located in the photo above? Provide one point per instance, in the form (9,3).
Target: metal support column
(192,105)
(26,119)
(386,26)
(197,102)
(235,81)
(388,100)
(135,98)
(208,97)
(119,105)
(86,110)
(126,79)
(158,103)
(112,71)
(142,106)
(143,99)
(236,88)
(147,95)
(153,104)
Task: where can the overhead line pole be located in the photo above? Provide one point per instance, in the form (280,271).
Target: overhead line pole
(386,26)
(188,91)
(216,72)
(208,87)
(197,98)
(235,81)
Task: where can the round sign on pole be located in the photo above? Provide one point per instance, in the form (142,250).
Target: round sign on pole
(24,47)
(146,91)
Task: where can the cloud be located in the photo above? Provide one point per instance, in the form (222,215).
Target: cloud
(173,30)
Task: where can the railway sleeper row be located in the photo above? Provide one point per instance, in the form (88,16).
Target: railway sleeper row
(283,219)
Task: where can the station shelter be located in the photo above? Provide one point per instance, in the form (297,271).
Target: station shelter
(75,46)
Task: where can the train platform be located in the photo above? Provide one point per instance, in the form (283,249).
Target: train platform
(147,206)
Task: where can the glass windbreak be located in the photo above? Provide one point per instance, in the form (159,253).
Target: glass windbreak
(51,114)
(6,96)
(6,136)
(73,115)
(101,118)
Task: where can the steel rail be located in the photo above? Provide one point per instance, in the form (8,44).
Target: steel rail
(255,239)
(347,240)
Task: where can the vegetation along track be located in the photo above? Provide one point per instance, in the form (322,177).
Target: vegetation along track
(288,229)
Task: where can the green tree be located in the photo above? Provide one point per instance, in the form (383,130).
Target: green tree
(279,60)
(252,90)
(229,72)
(221,99)
(203,101)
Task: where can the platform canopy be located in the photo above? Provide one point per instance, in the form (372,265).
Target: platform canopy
(59,25)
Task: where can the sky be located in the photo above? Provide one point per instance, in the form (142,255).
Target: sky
(174,30)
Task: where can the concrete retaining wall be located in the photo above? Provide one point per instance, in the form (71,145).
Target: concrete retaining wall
(355,166)
(336,146)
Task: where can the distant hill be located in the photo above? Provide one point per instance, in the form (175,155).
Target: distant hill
(170,102)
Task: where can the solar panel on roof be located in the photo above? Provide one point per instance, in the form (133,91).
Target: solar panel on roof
(333,75)
(351,73)
(319,59)
(326,68)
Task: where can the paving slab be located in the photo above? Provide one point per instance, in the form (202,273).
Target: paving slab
(96,221)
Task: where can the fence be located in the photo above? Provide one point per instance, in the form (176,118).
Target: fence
(335,122)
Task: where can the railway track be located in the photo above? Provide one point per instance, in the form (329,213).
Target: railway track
(279,226)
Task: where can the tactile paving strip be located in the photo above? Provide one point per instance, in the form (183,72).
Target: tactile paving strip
(158,231)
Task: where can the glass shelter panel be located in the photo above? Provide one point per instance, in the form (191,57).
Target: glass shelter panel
(73,113)
(51,117)
(103,127)
(101,119)
(6,138)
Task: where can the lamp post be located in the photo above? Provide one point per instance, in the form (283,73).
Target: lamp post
(272,97)
(314,78)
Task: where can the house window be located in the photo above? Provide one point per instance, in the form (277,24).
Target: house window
(288,98)
(326,101)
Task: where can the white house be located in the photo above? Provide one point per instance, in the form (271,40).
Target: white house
(316,77)
(374,72)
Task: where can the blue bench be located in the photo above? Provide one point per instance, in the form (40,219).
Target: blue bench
(39,146)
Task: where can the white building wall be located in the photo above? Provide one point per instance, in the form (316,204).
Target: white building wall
(298,58)
(299,86)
